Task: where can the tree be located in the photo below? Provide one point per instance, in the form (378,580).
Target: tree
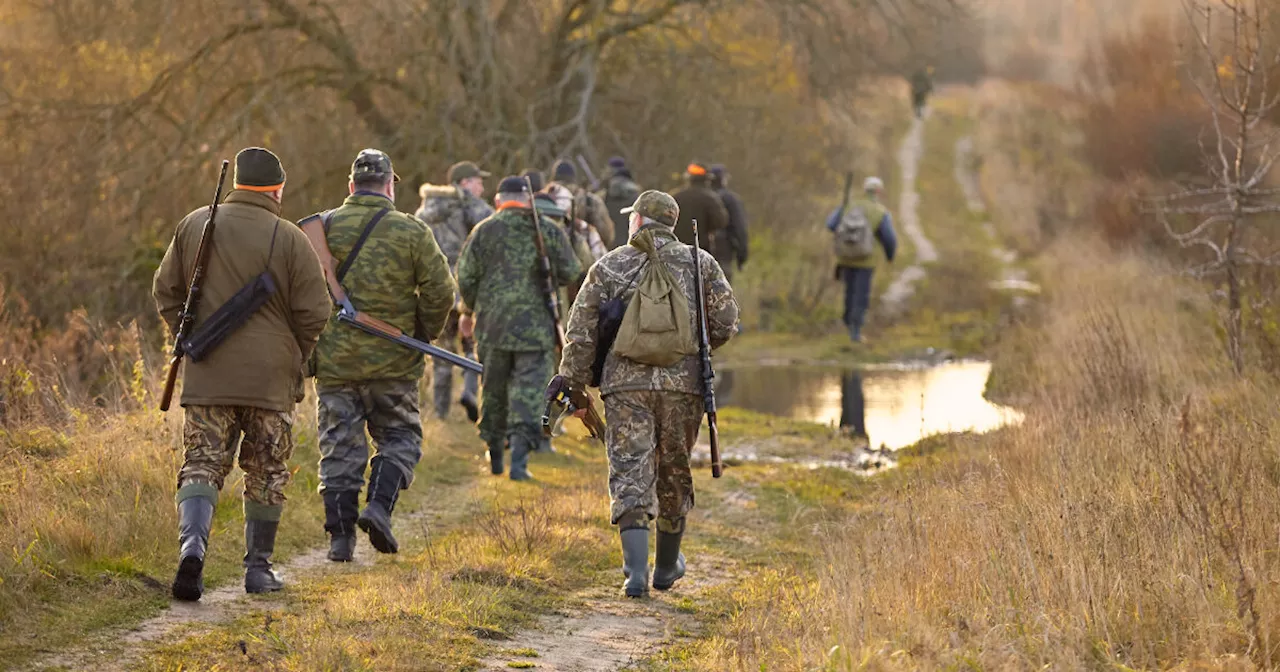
(1234,69)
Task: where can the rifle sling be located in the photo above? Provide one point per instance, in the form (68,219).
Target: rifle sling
(355,249)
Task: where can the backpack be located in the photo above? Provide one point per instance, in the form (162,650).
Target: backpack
(854,235)
(657,326)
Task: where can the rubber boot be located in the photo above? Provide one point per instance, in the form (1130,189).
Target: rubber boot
(668,561)
(520,450)
(544,446)
(375,520)
(195,518)
(855,333)
(441,389)
(495,457)
(259,544)
(635,561)
(341,507)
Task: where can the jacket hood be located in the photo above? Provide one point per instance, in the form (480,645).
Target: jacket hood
(438,191)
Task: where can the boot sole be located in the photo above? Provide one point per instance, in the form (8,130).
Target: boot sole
(186,585)
(666,586)
(381,539)
(259,590)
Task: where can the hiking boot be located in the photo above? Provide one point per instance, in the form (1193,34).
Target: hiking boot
(668,561)
(495,458)
(544,446)
(195,518)
(469,404)
(520,450)
(259,544)
(341,507)
(855,333)
(635,561)
(375,520)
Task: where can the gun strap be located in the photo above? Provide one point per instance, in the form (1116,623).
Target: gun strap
(355,249)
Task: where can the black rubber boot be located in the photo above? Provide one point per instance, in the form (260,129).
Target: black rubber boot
(520,450)
(495,458)
(635,561)
(259,544)
(468,403)
(668,561)
(195,518)
(375,520)
(341,507)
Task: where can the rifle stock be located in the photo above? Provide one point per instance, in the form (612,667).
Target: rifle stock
(704,355)
(187,318)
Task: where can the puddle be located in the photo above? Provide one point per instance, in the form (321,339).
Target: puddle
(894,408)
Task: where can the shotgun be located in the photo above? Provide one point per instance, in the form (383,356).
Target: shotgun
(704,354)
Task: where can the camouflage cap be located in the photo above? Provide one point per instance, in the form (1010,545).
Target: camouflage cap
(656,205)
(372,163)
(464,169)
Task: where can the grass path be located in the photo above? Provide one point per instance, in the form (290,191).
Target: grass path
(903,286)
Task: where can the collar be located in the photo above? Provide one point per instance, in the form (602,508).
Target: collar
(371,198)
(253,198)
(512,205)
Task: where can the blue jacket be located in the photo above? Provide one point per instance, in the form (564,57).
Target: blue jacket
(884,233)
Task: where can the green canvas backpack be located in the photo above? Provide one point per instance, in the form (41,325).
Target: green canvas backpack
(657,326)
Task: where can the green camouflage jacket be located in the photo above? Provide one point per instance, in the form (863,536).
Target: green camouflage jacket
(499,280)
(451,213)
(616,274)
(400,276)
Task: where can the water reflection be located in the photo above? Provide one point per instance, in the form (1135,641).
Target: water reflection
(893,408)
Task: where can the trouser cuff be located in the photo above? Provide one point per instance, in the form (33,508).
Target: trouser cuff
(265,512)
(197,489)
(633,520)
(671,525)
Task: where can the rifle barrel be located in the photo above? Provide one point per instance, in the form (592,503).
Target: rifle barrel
(704,354)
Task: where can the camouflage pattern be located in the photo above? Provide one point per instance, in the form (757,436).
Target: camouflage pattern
(499,280)
(451,212)
(656,205)
(442,372)
(401,276)
(512,400)
(649,437)
(591,209)
(211,436)
(388,409)
(616,275)
(619,192)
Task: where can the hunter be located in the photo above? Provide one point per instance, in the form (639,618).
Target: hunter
(620,190)
(857,273)
(698,201)
(731,248)
(652,413)
(242,394)
(365,383)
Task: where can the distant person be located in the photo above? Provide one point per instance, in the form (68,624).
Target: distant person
(654,412)
(501,283)
(857,225)
(620,191)
(731,248)
(452,211)
(365,383)
(241,396)
(698,201)
(921,87)
(586,206)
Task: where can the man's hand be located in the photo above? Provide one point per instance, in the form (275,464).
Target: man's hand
(467,325)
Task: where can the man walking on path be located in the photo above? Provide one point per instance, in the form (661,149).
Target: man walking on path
(452,211)
(653,413)
(400,276)
(586,206)
(731,248)
(243,393)
(858,270)
(620,191)
(921,87)
(499,278)
(698,201)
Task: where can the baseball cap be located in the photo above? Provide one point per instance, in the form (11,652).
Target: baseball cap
(464,169)
(656,205)
(372,163)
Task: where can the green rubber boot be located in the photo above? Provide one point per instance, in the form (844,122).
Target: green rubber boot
(635,561)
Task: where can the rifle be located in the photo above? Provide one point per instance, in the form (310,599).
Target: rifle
(591,176)
(704,354)
(848,185)
(313,226)
(561,393)
(544,264)
(187,318)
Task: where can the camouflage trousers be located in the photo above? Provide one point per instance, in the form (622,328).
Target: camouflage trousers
(649,437)
(388,409)
(211,437)
(442,372)
(512,394)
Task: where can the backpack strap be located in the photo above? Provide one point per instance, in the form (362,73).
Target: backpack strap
(355,249)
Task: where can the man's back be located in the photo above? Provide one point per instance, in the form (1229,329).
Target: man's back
(500,280)
(451,214)
(260,363)
(620,191)
(698,201)
(400,276)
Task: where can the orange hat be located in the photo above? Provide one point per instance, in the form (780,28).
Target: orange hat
(696,168)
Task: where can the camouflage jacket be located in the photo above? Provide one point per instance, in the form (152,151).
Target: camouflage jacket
(400,276)
(591,209)
(616,275)
(499,280)
(451,213)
